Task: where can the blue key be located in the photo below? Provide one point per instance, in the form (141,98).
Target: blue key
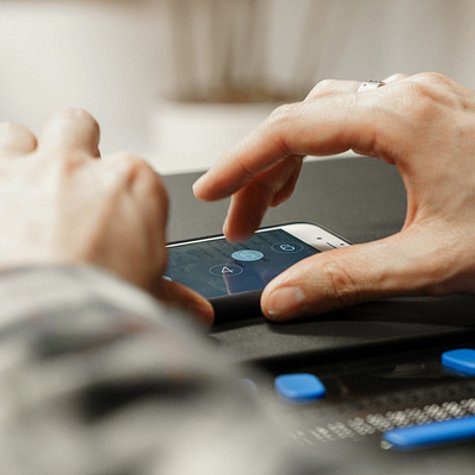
(299,387)
(435,433)
(461,360)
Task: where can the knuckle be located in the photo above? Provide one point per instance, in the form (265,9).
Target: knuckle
(157,186)
(418,90)
(126,158)
(395,77)
(418,99)
(133,165)
(136,168)
(277,125)
(323,88)
(73,113)
(434,77)
(283,113)
(150,179)
(324,85)
(69,115)
(144,170)
(342,287)
(159,193)
(13,130)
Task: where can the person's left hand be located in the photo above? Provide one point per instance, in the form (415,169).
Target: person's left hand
(61,204)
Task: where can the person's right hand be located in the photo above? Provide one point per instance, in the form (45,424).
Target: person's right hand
(61,204)
(425,125)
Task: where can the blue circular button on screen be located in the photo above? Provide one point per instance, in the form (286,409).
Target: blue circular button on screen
(247,255)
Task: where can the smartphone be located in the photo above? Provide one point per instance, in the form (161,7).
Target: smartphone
(232,276)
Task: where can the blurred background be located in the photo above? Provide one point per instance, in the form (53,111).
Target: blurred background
(179,81)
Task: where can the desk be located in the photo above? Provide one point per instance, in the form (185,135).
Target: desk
(361,199)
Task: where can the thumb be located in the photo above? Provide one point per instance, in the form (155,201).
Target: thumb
(182,297)
(399,265)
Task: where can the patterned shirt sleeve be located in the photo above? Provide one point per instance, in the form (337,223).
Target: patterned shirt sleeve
(96,377)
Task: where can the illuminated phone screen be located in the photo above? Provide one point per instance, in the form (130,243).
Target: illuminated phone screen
(218,268)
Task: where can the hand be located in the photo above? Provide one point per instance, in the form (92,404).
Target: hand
(425,125)
(61,204)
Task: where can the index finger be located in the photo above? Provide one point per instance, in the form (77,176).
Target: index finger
(326,126)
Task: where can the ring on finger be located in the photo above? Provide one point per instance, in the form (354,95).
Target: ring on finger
(370,84)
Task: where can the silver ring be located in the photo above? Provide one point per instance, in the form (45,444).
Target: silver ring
(370,84)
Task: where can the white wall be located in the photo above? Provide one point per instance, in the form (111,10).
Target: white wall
(104,55)
(99,55)
(361,39)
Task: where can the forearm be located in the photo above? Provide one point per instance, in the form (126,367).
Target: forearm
(97,375)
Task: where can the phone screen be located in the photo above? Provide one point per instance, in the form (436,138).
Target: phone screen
(218,268)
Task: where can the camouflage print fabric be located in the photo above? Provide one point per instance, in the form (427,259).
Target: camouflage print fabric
(96,377)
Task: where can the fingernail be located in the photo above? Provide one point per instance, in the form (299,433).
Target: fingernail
(225,226)
(197,183)
(285,302)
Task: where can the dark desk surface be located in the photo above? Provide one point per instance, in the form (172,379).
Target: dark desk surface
(361,199)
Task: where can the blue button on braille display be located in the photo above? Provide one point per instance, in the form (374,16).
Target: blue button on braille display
(435,433)
(461,360)
(299,387)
